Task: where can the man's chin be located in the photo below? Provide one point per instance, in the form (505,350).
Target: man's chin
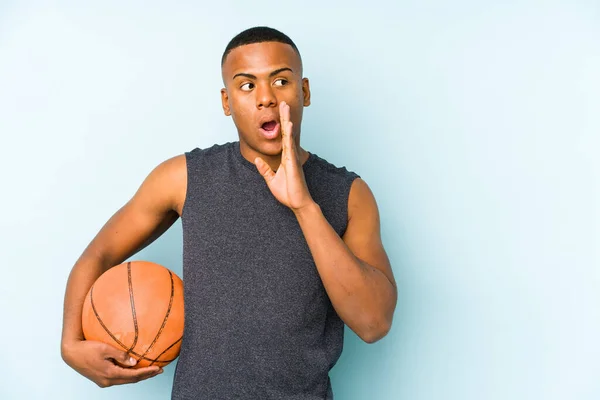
(269,147)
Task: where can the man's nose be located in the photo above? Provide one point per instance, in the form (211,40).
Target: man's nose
(265,97)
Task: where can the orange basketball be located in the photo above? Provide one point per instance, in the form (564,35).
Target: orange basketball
(137,307)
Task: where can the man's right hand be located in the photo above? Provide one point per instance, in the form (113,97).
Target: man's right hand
(105,365)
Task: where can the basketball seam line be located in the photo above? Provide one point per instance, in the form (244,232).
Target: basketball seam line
(166,316)
(135,324)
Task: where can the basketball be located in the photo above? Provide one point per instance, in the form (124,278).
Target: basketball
(137,307)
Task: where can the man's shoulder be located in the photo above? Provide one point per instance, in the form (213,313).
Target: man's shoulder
(210,151)
(322,166)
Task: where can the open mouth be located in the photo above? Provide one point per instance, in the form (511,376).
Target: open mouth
(269,126)
(270,129)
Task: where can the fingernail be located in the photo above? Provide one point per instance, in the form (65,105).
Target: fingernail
(132,360)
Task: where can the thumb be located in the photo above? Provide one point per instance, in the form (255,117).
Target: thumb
(264,169)
(119,356)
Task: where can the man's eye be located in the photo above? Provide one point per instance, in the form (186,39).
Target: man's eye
(247,86)
(280,82)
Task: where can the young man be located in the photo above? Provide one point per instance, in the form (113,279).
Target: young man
(281,248)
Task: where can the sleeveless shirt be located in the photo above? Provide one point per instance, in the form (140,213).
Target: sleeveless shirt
(258,321)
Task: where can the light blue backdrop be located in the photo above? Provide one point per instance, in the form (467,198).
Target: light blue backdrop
(475,123)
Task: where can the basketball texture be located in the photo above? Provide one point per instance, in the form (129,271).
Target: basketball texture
(137,307)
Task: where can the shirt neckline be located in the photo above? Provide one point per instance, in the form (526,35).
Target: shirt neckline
(252,167)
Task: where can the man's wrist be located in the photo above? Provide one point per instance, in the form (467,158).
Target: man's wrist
(306,211)
(67,344)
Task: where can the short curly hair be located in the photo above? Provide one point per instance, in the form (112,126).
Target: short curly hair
(258,34)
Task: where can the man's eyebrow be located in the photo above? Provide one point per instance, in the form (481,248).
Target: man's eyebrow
(272,74)
(244,75)
(280,70)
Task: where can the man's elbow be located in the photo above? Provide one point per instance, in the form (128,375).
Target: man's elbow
(376,331)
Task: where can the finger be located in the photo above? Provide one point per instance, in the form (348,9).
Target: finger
(116,373)
(121,357)
(284,116)
(264,169)
(121,380)
(290,144)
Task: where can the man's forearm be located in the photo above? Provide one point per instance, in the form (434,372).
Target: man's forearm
(82,277)
(362,295)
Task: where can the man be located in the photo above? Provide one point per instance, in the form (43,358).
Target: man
(281,248)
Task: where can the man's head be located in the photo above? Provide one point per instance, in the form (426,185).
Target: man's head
(261,67)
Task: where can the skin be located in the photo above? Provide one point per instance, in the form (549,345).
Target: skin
(262,80)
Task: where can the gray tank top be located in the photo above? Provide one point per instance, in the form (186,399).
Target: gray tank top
(258,322)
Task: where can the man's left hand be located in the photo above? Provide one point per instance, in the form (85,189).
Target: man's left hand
(288,184)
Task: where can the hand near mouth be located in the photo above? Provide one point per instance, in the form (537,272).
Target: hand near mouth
(288,184)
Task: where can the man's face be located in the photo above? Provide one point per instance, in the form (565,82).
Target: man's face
(257,78)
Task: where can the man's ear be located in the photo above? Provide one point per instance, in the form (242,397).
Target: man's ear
(225,102)
(306,92)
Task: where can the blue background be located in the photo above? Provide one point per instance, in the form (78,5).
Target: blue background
(476,124)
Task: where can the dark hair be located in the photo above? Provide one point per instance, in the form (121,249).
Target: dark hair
(258,34)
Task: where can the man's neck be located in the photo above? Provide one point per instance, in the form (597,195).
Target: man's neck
(273,161)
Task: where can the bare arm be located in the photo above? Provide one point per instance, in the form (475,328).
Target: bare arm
(355,269)
(151,211)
